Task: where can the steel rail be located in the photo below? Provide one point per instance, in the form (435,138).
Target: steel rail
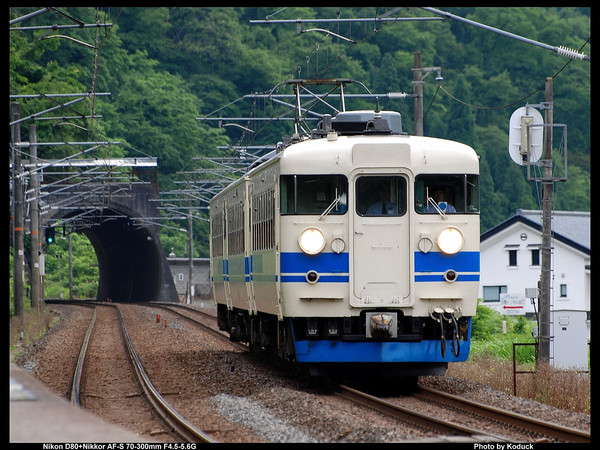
(538,426)
(417,418)
(169,307)
(180,425)
(76,382)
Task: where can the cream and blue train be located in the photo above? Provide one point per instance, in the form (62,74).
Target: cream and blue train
(355,251)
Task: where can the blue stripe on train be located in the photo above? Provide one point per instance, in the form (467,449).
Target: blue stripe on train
(297,262)
(438,262)
(331,267)
(431,266)
(440,277)
(322,278)
(334,267)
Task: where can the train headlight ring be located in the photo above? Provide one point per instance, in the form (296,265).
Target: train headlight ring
(450,240)
(311,241)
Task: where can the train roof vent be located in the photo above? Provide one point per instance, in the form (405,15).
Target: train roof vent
(367,122)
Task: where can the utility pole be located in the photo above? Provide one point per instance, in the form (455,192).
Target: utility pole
(547,198)
(418,93)
(190,292)
(36,245)
(18,243)
(70,240)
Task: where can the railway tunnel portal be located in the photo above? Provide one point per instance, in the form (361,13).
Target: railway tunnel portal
(118,218)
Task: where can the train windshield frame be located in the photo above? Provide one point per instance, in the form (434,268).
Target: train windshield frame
(381,195)
(447,194)
(313,194)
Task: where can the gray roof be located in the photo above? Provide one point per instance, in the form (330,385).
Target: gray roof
(570,227)
(574,225)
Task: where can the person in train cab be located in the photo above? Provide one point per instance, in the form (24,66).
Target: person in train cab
(382,206)
(439,198)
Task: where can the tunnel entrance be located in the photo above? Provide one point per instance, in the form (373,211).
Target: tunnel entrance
(111,201)
(132,266)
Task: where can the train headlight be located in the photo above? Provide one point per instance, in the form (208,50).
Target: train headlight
(450,240)
(311,241)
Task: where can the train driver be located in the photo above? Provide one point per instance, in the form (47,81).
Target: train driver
(438,196)
(383,205)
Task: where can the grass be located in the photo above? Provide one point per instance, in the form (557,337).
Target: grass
(28,328)
(568,390)
(491,363)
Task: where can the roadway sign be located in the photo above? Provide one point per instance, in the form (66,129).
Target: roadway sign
(512,304)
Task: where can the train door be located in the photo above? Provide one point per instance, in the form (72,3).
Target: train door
(226,286)
(381,261)
(249,236)
(217,265)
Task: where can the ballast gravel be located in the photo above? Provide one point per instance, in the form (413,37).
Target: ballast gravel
(240,399)
(247,412)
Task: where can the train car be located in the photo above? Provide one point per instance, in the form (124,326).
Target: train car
(355,251)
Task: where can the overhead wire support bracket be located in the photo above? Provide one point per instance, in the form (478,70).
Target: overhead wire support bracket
(339,20)
(562,51)
(299,30)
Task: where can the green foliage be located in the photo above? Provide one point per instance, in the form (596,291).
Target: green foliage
(489,339)
(166,66)
(84,263)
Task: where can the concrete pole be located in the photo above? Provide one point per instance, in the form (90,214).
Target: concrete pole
(418,91)
(36,242)
(70,238)
(17,222)
(190,292)
(547,198)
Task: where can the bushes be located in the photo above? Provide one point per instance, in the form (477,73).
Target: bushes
(489,339)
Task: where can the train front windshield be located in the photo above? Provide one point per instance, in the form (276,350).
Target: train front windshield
(447,194)
(381,195)
(314,194)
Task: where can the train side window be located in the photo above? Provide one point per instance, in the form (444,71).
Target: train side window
(381,195)
(313,194)
(217,234)
(472,189)
(450,194)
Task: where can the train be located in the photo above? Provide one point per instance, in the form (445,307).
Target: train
(352,251)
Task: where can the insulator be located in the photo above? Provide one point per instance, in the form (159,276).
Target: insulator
(397,95)
(570,53)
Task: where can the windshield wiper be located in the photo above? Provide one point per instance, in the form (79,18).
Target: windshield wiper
(432,202)
(338,198)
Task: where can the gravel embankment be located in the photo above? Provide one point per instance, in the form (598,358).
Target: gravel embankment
(240,398)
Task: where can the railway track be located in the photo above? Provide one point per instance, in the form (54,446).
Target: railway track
(426,421)
(179,425)
(543,429)
(424,417)
(512,426)
(519,424)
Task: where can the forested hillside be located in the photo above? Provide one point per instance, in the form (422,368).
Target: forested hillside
(166,67)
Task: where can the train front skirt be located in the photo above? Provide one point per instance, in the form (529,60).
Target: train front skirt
(333,351)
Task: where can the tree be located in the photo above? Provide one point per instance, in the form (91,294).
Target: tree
(461,117)
(166,66)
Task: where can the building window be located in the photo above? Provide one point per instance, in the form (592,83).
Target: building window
(563,290)
(512,258)
(535,257)
(492,293)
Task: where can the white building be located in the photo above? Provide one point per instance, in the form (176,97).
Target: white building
(511,263)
